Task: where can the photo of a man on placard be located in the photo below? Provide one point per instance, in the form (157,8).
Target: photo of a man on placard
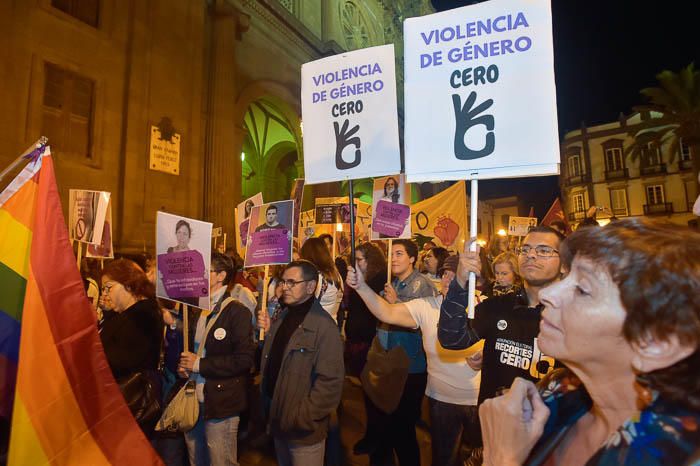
(270,242)
(271,221)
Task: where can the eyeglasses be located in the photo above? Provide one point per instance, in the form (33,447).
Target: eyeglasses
(291,283)
(541,251)
(107,286)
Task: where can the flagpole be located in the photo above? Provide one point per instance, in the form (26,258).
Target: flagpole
(388,263)
(42,141)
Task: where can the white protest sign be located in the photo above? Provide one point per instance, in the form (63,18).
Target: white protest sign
(480,96)
(348,106)
(87,211)
(216,232)
(520,226)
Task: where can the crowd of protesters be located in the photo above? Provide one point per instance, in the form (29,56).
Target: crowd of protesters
(276,373)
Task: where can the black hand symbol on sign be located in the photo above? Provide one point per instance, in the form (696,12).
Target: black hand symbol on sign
(465,119)
(342,140)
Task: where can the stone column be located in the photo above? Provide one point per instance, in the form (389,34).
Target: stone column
(222,172)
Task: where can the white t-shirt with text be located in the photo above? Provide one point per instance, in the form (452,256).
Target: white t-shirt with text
(450,379)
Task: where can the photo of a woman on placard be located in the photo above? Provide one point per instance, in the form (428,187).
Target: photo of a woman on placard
(391,190)
(249,204)
(183,234)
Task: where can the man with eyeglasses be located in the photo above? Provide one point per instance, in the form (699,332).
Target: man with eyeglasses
(302,369)
(509,324)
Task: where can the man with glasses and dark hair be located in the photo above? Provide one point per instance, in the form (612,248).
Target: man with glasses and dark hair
(509,324)
(302,370)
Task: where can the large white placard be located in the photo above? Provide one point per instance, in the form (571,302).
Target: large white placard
(480,96)
(348,106)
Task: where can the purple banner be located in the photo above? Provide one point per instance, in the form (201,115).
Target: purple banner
(183,274)
(390,219)
(271,246)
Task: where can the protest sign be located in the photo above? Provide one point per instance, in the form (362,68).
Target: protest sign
(104,249)
(242,214)
(442,218)
(480,97)
(519,226)
(183,248)
(390,208)
(348,106)
(331,214)
(270,241)
(86,214)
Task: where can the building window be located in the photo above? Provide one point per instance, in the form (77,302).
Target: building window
(618,201)
(614,161)
(579,203)
(653,155)
(67,111)
(684,150)
(354,26)
(655,194)
(574,165)
(87,11)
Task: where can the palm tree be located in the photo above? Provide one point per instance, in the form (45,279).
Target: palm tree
(674,109)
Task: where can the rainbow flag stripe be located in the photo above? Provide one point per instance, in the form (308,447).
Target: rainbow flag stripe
(67,408)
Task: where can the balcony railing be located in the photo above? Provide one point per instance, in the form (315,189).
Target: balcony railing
(577,216)
(578,179)
(658,209)
(616,174)
(619,212)
(659,169)
(684,165)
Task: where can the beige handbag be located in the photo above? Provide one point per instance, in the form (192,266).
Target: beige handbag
(182,412)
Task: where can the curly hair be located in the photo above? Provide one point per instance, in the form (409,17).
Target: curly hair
(131,276)
(656,268)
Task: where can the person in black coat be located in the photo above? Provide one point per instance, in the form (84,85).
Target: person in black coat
(222,371)
(132,337)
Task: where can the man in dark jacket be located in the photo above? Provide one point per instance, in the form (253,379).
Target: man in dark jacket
(509,324)
(221,372)
(302,370)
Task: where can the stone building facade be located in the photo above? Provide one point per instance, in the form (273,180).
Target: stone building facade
(96,75)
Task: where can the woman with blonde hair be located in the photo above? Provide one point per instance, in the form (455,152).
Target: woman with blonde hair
(506,274)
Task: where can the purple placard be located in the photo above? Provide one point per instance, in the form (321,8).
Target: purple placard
(183,274)
(271,246)
(390,219)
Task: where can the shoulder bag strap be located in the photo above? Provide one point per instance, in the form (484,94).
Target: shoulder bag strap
(211,323)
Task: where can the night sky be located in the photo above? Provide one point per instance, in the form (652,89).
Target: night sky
(605,51)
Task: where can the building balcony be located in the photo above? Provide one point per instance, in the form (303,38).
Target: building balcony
(577,216)
(578,179)
(620,174)
(685,165)
(648,170)
(658,209)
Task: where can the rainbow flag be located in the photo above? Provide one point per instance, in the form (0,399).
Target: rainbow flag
(67,408)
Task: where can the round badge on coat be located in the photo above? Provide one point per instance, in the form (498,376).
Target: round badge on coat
(502,324)
(219,333)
